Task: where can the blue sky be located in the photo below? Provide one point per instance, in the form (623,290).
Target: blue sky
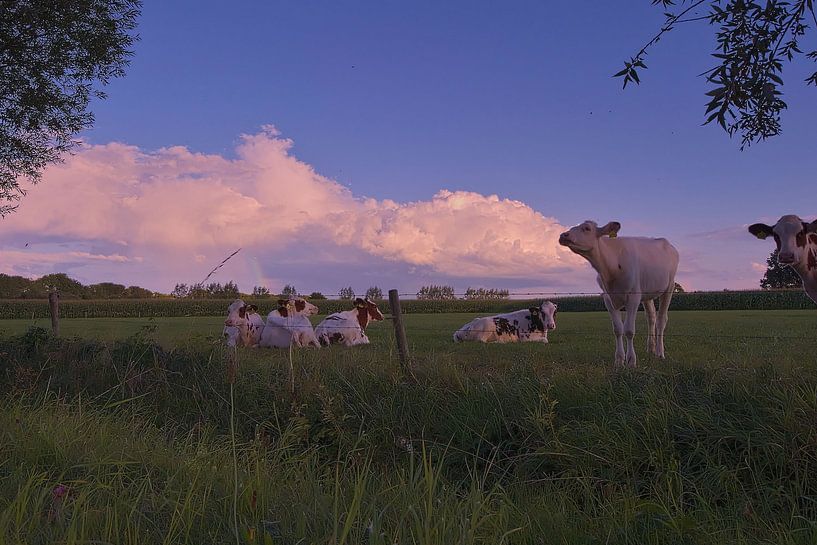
(397,101)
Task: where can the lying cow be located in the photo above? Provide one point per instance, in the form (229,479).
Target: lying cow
(289,323)
(631,270)
(255,326)
(349,327)
(530,325)
(236,326)
(796,247)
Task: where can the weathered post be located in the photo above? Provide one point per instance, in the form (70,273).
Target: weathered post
(399,329)
(54,305)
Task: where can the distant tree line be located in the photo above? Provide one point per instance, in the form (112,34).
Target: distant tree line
(446,293)
(19,287)
(213,290)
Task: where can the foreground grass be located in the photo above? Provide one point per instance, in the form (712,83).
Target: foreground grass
(480,444)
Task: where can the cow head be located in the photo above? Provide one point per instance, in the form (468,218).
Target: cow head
(367,311)
(285,307)
(548,312)
(792,236)
(583,238)
(296,305)
(543,316)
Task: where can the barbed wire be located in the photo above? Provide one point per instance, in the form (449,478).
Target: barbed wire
(380,325)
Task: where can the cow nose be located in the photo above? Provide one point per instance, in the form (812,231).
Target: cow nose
(563,237)
(551,326)
(786,257)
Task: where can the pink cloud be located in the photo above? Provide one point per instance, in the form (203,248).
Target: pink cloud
(168,214)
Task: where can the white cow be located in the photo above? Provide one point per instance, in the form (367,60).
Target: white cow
(796,246)
(255,326)
(292,316)
(236,326)
(631,270)
(243,325)
(529,325)
(349,327)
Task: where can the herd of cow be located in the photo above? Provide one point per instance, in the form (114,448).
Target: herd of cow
(632,272)
(289,325)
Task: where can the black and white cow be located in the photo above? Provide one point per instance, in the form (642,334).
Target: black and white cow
(529,325)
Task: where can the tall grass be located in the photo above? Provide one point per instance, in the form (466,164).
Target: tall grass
(522,451)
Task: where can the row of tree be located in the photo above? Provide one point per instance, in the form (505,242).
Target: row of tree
(213,290)
(445,293)
(19,287)
(347,293)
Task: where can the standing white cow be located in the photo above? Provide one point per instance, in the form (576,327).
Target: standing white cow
(796,246)
(292,315)
(349,327)
(631,270)
(529,325)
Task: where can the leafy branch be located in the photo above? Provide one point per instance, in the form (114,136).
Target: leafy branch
(753,40)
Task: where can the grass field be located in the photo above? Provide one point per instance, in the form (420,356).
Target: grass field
(727,337)
(127,434)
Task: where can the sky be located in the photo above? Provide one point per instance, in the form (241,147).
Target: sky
(395,144)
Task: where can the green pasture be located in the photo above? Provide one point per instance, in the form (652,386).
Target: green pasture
(728,337)
(135,431)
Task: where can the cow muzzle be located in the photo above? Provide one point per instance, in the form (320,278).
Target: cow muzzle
(786,258)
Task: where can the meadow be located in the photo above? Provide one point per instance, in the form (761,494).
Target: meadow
(139,431)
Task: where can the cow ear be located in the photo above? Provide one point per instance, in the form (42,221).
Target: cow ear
(610,230)
(810,227)
(282,302)
(760,230)
(534,310)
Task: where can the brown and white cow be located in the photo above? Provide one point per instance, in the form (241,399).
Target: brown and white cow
(796,246)
(289,324)
(349,327)
(235,326)
(529,325)
(631,271)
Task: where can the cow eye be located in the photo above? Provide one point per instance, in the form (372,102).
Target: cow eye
(585,228)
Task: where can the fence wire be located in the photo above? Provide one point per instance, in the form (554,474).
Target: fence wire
(380,325)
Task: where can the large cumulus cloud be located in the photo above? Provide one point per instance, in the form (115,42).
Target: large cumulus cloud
(153,218)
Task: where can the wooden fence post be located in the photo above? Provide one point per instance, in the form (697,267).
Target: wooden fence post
(54,305)
(399,329)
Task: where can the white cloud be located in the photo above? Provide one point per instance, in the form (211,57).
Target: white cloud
(168,214)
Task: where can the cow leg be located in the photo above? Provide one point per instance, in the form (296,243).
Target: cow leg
(661,323)
(618,329)
(633,302)
(649,310)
